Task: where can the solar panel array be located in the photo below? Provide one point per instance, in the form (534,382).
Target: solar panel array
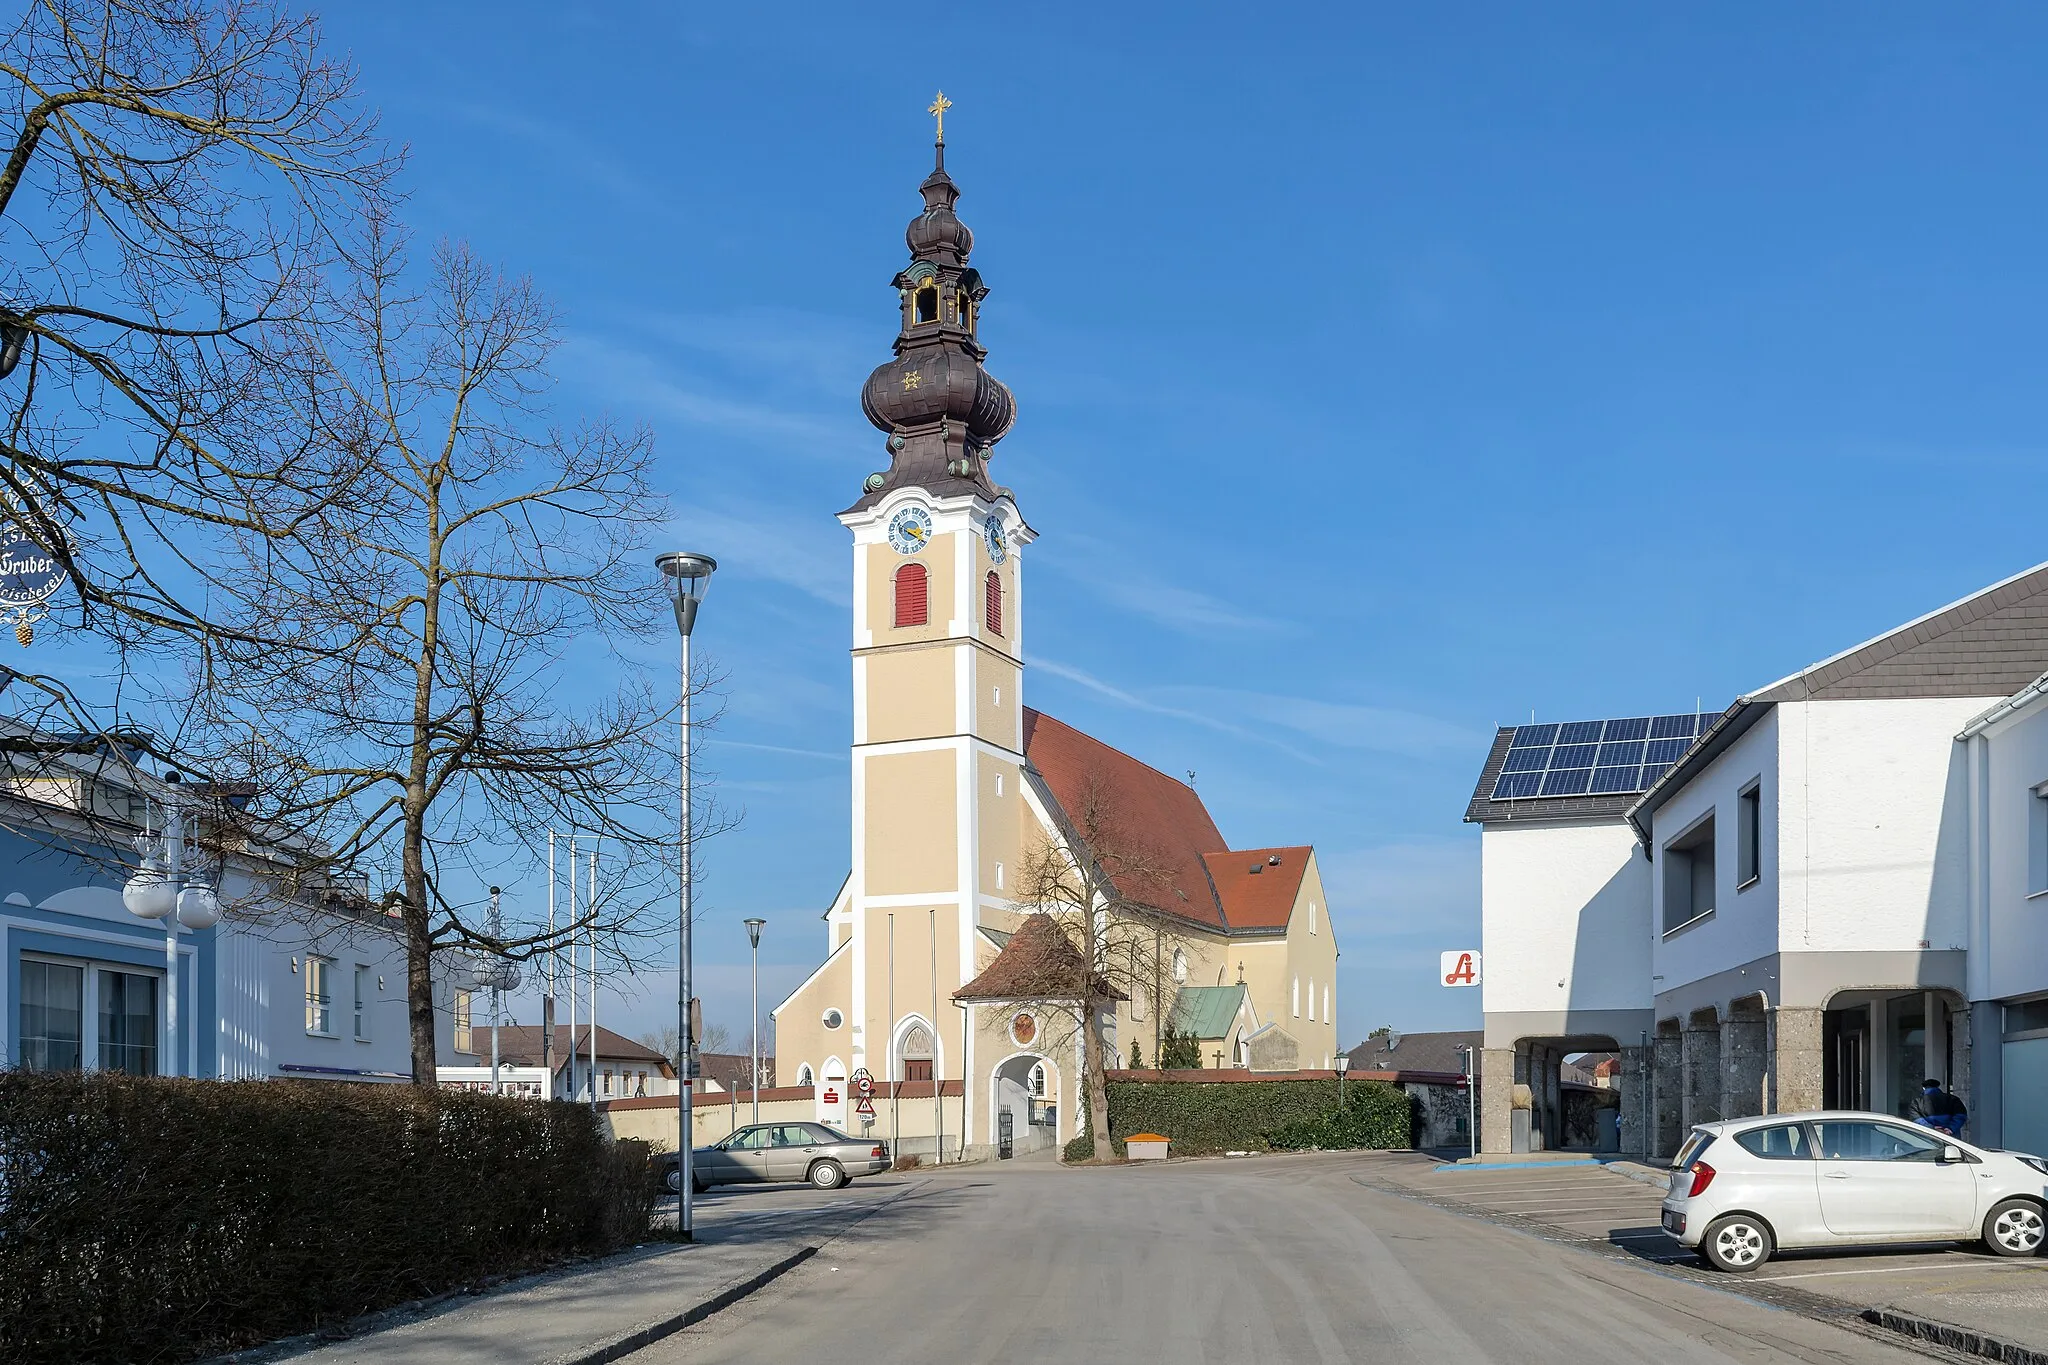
(1595,757)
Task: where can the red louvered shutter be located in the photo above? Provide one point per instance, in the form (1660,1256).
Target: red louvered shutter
(995,603)
(911,597)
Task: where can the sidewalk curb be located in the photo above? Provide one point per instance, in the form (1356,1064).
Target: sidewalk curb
(654,1331)
(1955,1338)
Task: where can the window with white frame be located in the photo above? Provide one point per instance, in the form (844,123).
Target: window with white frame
(319,995)
(805,1077)
(1297,997)
(75,1014)
(1180,967)
(1311,1000)
(999,876)
(999,784)
(2037,840)
(1312,917)
(364,981)
(1038,1080)
(1326,1005)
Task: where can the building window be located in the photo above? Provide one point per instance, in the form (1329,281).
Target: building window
(1312,917)
(1180,967)
(1297,997)
(2037,841)
(1689,875)
(992,589)
(927,305)
(127,1023)
(966,311)
(1749,835)
(912,598)
(363,1002)
(1326,1005)
(52,1016)
(805,1077)
(607,1080)
(999,876)
(1038,1080)
(319,1000)
(465,1040)
(1311,1000)
(998,702)
(999,784)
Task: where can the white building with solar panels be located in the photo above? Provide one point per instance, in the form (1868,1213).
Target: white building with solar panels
(1566,928)
(1820,897)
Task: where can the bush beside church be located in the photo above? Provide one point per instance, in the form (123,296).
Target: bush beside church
(1206,1117)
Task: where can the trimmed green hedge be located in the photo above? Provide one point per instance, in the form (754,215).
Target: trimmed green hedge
(1227,1116)
(157,1220)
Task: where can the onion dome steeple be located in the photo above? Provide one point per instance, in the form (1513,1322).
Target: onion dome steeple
(943,412)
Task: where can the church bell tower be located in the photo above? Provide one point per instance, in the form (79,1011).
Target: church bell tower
(937,663)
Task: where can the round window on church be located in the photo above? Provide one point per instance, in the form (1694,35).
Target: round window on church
(1023,1028)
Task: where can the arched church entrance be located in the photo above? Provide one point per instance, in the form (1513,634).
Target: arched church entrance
(1025,1095)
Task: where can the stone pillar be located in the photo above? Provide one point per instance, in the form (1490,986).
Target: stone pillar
(1700,1057)
(1745,1062)
(1796,1069)
(1496,1097)
(1634,1089)
(1667,1088)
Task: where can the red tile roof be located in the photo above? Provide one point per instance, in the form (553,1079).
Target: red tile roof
(1158,815)
(1258,885)
(1038,963)
(520,1045)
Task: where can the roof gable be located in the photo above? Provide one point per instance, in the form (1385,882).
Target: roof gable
(1990,644)
(1258,886)
(1159,813)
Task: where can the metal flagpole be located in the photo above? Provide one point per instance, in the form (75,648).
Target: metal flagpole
(575,983)
(547,1001)
(496,1001)
(895,1080)
(938,1123)
(590,909)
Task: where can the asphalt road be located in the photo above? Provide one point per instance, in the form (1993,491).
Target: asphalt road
(1271,1260)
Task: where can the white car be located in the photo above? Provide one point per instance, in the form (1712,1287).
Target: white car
(1744,1188)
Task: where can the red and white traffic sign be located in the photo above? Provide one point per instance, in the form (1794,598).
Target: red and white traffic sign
(866,1107)
(865,1084)
(1458,968)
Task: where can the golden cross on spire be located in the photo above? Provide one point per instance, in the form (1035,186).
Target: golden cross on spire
(938,110)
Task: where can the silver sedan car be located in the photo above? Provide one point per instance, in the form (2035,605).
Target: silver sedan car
(824,1156)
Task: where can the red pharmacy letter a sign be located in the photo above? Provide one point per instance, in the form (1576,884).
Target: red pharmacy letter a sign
(1459,968)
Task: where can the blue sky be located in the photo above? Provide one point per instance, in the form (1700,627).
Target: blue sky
(1385,373)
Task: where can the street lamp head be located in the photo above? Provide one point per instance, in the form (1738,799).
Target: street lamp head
(686,576)
(198,907)
(149,893)
(754,930)
(13,338)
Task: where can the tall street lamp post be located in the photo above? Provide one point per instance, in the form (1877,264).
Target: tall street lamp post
(159,890)
(686,576)
(754,1028)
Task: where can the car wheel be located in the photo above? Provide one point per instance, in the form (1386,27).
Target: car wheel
(2015,1227)
(673,1179)
(828,1175)
(1737,1243)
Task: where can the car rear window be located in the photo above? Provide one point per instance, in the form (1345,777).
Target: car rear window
(1779,1142)
(1694,1145)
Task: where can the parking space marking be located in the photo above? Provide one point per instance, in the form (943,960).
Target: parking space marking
(1957,1262)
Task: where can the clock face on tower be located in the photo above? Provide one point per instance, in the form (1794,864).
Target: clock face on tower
(998,543)
(910,530)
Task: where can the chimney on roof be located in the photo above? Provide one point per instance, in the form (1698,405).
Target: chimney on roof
(1273,861)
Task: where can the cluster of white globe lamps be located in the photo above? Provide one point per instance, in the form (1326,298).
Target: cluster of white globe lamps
(151,893)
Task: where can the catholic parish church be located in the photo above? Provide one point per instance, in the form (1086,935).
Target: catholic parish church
(941,967)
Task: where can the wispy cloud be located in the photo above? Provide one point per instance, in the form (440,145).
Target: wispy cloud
(567,155)
(1123,582)
(637,380)
(1139,702)
(1427,888)
(829,756)
(760,540)
(1377,729)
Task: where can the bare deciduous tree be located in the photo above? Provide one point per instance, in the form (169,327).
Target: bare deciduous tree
(418,675)
(1097,882)
(178,179)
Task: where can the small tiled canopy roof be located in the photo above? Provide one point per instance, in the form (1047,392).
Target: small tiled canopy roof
(1038,963)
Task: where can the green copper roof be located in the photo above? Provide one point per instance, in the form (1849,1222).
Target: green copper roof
(1205,1011)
